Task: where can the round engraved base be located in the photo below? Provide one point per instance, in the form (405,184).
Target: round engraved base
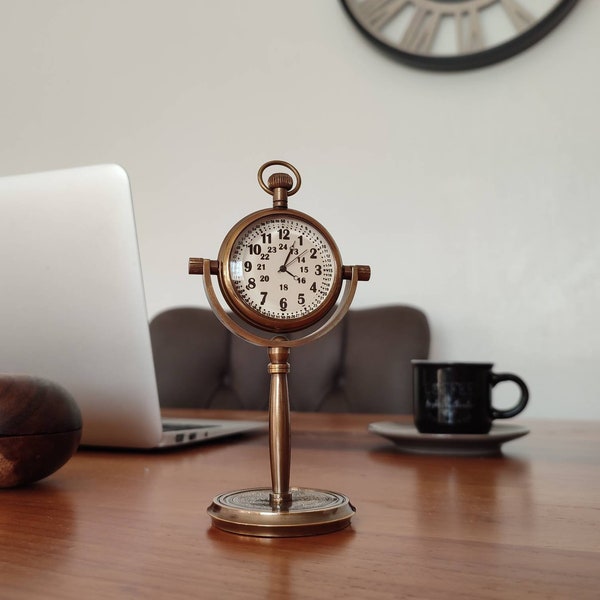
(310,512)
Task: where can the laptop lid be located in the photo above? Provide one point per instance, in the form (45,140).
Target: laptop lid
(72,305)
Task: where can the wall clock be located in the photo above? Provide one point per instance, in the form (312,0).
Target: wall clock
(451,35)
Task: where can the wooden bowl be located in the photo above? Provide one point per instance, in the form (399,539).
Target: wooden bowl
(40,429)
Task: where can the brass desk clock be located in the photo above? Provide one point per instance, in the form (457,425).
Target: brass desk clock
(280,271)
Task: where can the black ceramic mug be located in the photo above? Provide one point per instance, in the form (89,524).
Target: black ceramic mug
(456,397)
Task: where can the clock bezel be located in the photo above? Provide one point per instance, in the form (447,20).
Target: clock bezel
(460,62)
(249,314)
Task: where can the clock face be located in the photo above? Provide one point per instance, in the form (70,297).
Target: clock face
(456,34)
(282,270)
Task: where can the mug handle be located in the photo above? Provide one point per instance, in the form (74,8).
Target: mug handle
(510,412)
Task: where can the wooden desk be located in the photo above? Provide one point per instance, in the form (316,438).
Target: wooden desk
(133,525)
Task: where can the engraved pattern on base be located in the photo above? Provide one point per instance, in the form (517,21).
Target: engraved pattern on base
(302,500)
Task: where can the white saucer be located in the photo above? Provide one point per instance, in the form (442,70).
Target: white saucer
(408,439)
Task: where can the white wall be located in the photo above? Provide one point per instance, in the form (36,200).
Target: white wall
(473,195)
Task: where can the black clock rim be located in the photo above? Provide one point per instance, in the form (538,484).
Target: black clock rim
(478,59)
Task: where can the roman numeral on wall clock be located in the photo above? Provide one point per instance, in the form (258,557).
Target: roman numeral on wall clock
(439,34)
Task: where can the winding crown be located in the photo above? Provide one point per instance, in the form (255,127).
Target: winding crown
(280,180)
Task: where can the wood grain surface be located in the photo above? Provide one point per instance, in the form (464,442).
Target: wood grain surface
(134,525)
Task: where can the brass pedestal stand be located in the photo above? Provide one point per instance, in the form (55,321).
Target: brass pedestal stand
(310,512)
(281,511)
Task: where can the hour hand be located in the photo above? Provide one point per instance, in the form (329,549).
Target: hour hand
(282,268)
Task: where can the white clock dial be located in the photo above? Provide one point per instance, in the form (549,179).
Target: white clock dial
(283,268)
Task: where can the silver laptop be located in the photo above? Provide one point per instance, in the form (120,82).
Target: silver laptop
(72,305)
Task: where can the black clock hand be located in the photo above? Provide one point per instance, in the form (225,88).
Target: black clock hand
(282,268)
(295,277)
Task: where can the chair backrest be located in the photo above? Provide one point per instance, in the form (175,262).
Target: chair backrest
(363,365)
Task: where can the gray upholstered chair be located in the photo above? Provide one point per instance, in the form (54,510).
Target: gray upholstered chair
(363,365)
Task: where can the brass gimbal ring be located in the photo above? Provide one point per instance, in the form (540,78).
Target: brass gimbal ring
(332,321)
(282,163)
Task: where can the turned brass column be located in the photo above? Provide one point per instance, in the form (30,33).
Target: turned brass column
(279,426)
